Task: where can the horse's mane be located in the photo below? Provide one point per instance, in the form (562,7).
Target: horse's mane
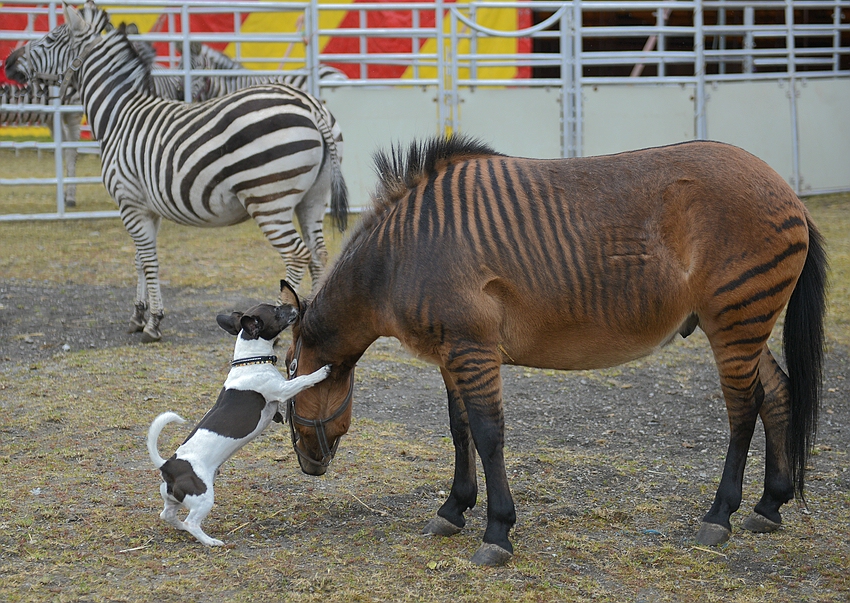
(401,169)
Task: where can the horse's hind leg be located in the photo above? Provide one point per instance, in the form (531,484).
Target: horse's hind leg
(742,388)
(775,415)
(464,491)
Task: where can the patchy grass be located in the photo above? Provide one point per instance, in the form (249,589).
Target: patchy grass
(79,500)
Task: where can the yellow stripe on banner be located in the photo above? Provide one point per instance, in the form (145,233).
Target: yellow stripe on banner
(144,21)
(287,23)
(499,19)
(24,132)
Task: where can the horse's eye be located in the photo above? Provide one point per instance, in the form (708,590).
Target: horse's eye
(293,366)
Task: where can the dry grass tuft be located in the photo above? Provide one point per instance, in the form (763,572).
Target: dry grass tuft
(79,501)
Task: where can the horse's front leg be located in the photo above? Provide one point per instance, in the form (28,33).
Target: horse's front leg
(464,491)
(475,370)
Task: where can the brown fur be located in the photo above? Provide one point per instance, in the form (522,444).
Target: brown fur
(473,259)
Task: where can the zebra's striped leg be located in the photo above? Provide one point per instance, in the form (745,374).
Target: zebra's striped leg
(775,415)
(475,370)
(71,133)
(143,227)
(311,213)
(744,393)
(140,308)
(464,491)
(279,230)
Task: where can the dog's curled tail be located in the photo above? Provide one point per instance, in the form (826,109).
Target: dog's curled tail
(153,435)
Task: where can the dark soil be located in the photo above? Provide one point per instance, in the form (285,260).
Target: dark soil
(670,402)
(666,410)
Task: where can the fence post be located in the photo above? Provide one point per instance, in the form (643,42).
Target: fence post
(792,93)
(699,72)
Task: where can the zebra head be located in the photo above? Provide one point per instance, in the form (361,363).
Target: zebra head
(50,57)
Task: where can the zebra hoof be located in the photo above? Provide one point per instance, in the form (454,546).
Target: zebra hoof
(491,555)
(711,534)
(137,320)
(136,325)
(151,335)
(760,524)
(440,526)
(152,332)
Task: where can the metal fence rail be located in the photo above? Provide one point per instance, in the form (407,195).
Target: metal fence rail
(570,47)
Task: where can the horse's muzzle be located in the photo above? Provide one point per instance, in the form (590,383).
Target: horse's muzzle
(311,468)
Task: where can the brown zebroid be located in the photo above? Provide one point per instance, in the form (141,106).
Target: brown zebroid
(473,259)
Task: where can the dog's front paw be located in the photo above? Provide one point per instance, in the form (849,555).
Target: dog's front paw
(324,371)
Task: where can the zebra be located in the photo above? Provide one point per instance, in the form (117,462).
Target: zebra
(205,88)
(38,93)
(264,152)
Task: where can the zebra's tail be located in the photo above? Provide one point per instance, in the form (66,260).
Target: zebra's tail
(339,191)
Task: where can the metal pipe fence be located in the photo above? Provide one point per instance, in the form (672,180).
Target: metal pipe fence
(565,46)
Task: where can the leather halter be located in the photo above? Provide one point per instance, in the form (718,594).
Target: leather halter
(328,452)
(70,74)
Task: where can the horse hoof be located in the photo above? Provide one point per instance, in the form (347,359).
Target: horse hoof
(492,555)
(711,534)
(439,526)
(760,524)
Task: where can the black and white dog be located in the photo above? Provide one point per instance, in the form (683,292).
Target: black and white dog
(245,407)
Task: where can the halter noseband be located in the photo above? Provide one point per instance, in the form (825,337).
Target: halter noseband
(328,452)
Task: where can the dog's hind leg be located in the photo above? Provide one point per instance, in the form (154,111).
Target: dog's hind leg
(199,508)
(169,512)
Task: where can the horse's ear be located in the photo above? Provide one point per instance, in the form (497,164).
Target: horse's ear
(230,322)
(288,295)
(251,325)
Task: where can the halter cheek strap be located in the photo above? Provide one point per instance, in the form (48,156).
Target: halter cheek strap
(71,73)
(328,452)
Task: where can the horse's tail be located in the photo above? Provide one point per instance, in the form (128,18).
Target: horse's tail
(153,435)
(803,343)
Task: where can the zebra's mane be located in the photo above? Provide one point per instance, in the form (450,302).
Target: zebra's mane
(135,58)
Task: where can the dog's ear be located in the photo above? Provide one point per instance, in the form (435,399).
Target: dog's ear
(252,325)
(230,322)
(288,295)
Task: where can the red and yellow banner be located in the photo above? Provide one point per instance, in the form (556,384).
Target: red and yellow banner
(502,19)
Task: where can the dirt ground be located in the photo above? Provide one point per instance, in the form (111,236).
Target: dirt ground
(665,411)
(645,404)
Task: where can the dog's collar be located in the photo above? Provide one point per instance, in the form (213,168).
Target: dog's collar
(254,360)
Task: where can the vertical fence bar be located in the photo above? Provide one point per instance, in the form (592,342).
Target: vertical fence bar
(699,72)
(792,92)
(185,28)
(452,95)
(311,33)
(441,64)
(56,117)
(578,46)
(567,88)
